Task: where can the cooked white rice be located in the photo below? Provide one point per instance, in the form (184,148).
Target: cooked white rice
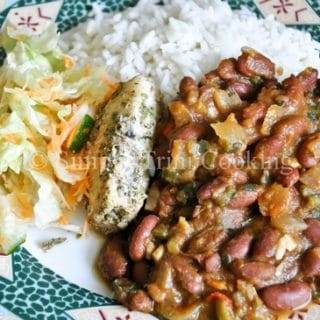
(183,38)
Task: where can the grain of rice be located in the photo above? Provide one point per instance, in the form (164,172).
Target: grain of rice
(183,38)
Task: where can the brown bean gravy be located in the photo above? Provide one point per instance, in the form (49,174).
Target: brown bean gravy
(231,228)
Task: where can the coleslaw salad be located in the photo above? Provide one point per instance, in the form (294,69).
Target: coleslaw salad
(47,109)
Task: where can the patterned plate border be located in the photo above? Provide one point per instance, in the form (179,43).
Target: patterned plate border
(301,14)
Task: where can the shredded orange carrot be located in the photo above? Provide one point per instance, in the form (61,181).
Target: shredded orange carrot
(66,127)
(68,62)
(47,82)
(112,87)
(25,206)
(77,191)
(12,138)
(71,136)
(47,112)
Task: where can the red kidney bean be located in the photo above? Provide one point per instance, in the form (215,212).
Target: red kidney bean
(287,270)
(294,95)
(265,245)
(238,176)
(306,151)
(212,78)
(166,129)
(189,90)
(251,63)
(228,165)
(206,111)
(112,260)
(207,190)
(140,301)
(189,131)
(227,69)
(140,237)
(242,87)
(286,296)
(288,176)
(254,271)
(189,278)
(268,149)
(212,263)
(308,79)
(312,232)
(310,264)
(140,272)
(290,82)
(255,111)
(239,246)
(291,126)
(244,198)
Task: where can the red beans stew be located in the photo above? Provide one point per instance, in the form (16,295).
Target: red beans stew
(231,227)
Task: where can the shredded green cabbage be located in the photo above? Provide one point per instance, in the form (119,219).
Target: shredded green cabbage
(43,99)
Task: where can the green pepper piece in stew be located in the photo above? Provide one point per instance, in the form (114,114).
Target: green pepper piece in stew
(224,310)
(82,134)
(223,306)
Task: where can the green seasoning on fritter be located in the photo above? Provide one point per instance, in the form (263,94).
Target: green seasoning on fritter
(122,141)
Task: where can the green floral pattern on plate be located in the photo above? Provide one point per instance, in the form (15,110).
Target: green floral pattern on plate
(38,293)
(75,11)
(314,30)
